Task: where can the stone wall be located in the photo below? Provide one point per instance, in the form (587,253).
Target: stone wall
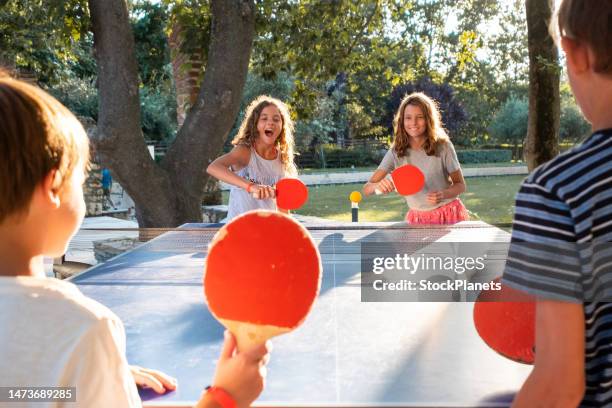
(110,248)
(213,213)
(92,191)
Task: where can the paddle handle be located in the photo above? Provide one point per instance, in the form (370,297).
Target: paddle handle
(249,335)
(254,194)
(377,191)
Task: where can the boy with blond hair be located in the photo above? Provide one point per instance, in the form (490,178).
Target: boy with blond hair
(51,335)
(563,224)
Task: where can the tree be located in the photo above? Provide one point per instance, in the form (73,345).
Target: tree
(544,101)
(170,193)
(510,122)
(360,49)
(39,40)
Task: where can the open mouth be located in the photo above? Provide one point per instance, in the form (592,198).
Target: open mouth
(269,133)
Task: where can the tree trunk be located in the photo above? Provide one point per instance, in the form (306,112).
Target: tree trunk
(542,142)
(169,194)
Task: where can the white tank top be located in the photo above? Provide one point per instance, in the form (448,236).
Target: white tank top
(259,171)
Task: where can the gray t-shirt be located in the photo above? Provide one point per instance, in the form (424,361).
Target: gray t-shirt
(436,168)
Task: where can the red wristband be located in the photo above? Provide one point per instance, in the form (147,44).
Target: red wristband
(221,396)
(248,189)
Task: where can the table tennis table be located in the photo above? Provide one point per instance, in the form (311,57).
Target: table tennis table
(347,352)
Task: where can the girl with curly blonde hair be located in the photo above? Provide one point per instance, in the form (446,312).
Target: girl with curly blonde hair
(262,155)
(420,140)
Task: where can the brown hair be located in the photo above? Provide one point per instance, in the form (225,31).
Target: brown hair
(248,130)
(434,132)
(589,21)
(37,135)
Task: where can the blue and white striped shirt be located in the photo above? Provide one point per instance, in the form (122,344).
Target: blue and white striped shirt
(562,247)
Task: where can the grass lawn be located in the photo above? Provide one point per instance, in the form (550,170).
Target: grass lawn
(490,199)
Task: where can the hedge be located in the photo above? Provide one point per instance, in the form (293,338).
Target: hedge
(484,156)
(333,157)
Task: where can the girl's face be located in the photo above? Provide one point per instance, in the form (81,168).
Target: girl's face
(269,125)
(415,124)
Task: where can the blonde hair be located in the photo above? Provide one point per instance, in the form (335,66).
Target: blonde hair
(434,132)
(587,21)
(247,134)
(37,135)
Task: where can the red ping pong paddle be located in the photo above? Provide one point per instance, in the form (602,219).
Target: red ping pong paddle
(262,275)
(505,321)
(290,194)
(408,180)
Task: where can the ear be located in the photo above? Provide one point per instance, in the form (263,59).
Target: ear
(49,187)
(577,55)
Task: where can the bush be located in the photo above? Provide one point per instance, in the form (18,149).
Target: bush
(484,156)
(158,113)
(78,95)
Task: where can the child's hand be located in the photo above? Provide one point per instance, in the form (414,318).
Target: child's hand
(262,192)
(242,374)
(385,186)
(435,197)
(156,380)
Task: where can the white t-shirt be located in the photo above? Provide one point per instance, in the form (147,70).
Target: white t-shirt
(51,335)
(259,171)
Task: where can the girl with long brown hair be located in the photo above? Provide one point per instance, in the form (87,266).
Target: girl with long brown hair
(420,140)
(262,155)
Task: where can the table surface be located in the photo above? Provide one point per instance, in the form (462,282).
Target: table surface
(347,353)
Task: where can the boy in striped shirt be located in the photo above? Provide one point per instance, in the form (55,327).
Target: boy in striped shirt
(562,232)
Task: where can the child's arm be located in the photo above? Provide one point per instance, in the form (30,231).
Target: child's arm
(378,181)
(237,159)
(458,187)
(240,374)
(558,378)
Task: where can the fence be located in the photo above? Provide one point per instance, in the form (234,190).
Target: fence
(362,152)
(354,153)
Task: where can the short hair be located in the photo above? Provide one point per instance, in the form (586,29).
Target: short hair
(589,21)
(37,135)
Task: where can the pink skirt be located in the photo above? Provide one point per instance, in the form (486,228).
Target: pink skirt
(450,213)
